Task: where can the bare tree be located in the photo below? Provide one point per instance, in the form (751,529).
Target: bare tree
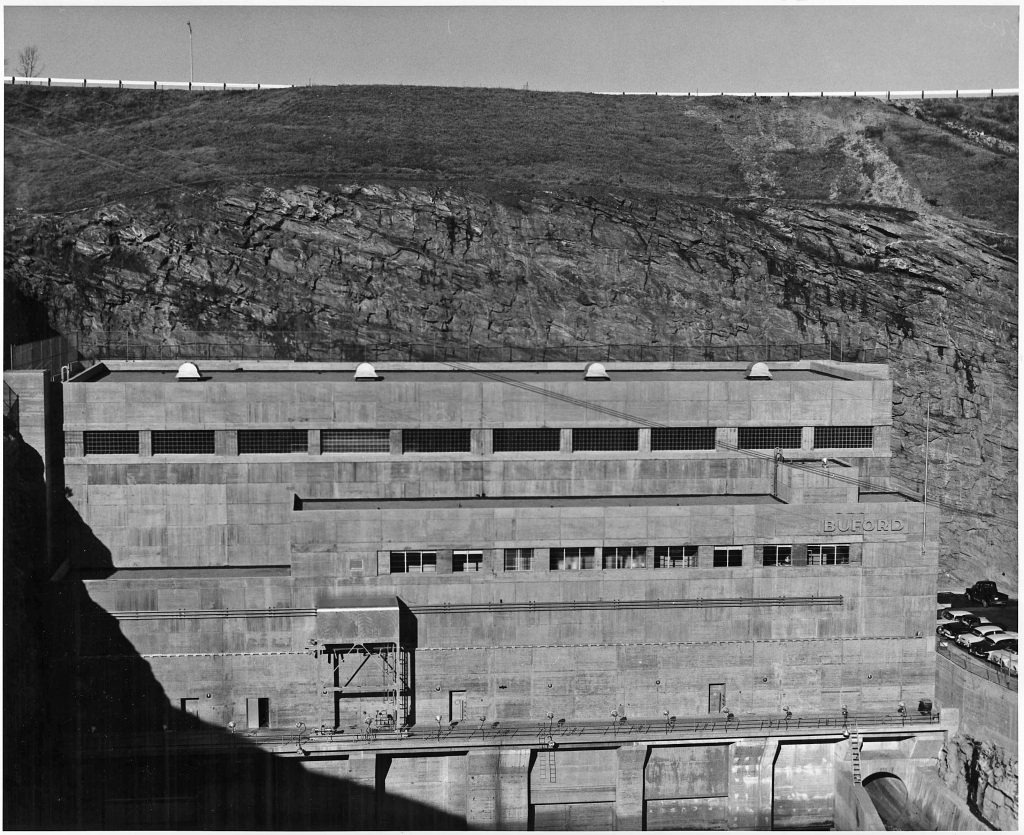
(28,62)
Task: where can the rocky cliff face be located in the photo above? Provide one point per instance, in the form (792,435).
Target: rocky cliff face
(984,774)
(370,263)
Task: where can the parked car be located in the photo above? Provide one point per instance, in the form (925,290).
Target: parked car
(1004,659)
(950,616)
(979,633)
(997,640)
(985,593)
(952,629)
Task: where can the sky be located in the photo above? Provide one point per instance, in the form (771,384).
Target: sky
(666,48)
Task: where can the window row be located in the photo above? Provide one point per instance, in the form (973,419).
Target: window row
(267,441)
(625,557)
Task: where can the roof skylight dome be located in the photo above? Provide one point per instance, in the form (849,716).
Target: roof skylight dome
(758,371)
(188,371)
(595,371)
(365,371)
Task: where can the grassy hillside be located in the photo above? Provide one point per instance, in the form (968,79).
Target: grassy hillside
(72,148)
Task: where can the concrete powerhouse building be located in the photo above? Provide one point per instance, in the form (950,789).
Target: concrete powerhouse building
(657,595)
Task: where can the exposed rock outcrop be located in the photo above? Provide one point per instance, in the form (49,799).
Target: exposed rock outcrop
(986,775)
(374,263)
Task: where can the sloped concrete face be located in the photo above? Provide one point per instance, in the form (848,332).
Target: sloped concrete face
(804,786)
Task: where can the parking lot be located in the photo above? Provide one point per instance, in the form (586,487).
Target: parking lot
(1004,616)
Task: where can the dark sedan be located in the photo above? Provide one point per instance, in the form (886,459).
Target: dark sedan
(990,644)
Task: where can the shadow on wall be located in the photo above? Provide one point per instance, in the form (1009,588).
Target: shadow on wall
(75,690)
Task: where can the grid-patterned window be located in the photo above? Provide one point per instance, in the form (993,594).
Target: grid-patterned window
(828,554)
(605,440)
(842,437)
(526,440)
(777,555)
(435,440)
(683,437)
(572,559)
(518,559)
(624,557)
(272,440)
(467,560)
(413,562)
(111,443)
(355,440)
(727,557)
(675,556)
(769,437)
(183,442)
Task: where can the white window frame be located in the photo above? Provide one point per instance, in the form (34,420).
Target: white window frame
(471,560)
(729,552)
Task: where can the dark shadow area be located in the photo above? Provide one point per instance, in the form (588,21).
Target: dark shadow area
(25,320)
(90,739)
(891,800)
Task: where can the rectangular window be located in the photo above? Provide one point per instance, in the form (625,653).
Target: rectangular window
(842,437)
(572,559)
(624,557)
(355,440)
(526,440)
(769,437)
(683,437)
(272,440)
(727,557)
(777,555)
(467,560)
(257,713)
(519,559)
(675,556)
(183,442)
(605,440)
(111,443)
(413,562)
(828,554)
(435,440)
(190,706)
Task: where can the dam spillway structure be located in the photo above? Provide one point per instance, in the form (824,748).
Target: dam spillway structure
(425,595)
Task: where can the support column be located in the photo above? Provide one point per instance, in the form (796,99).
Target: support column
(498,789)
(363,791)
(629,786)
(750,783)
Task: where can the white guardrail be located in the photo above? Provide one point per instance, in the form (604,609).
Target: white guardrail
(120,84)
(991,92)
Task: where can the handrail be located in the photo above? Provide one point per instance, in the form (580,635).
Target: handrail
(538,734)
(976,667)
(370,347)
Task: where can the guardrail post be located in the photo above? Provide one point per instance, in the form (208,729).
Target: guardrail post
(84,82)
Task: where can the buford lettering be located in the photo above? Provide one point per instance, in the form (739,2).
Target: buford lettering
(850,525)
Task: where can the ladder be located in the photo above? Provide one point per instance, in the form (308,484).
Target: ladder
(855,754)
(551,767)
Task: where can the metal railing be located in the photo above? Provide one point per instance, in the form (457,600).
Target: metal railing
(353,347)
(975,666)
(542,734)
(888,95)
(121,84)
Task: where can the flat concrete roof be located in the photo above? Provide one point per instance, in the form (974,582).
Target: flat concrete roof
(243,375)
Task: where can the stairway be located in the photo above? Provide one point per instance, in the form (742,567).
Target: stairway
(855,754)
